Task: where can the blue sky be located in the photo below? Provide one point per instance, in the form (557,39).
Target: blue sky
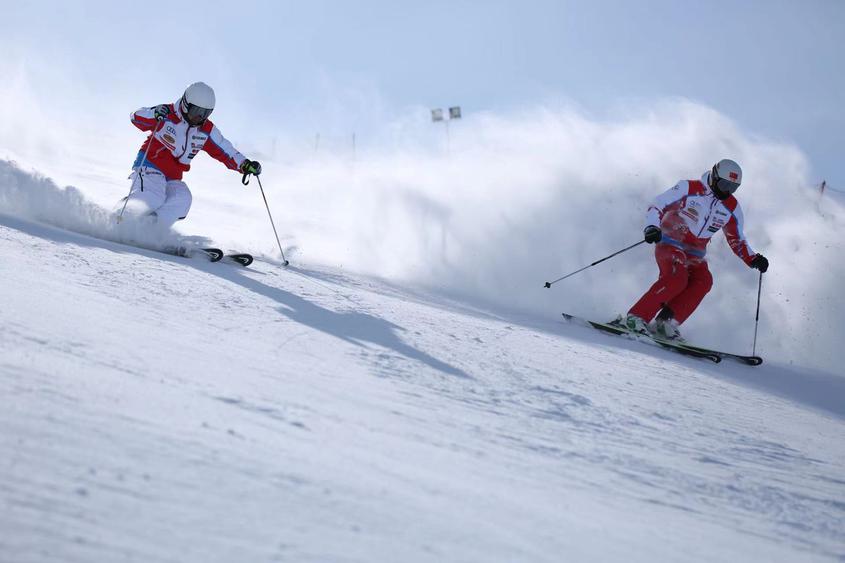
(773,66)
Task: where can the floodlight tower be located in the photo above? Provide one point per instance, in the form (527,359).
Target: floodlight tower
(437,116)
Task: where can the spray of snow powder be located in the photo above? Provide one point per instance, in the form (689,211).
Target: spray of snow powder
(516,200)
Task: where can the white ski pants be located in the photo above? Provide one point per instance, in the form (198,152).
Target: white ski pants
(154,195)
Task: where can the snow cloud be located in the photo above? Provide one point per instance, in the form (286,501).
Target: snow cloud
(516,199)
(524,198)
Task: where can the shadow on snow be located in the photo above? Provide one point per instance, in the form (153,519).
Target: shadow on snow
(350,326)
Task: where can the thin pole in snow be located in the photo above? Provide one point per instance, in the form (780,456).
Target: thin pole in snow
(757,318)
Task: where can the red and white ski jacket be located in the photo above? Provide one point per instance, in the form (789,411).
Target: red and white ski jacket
(689,214)
(175,143)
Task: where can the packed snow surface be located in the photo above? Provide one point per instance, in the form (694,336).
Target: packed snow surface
(162,409)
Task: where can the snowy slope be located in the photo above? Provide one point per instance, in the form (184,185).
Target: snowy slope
(154,408)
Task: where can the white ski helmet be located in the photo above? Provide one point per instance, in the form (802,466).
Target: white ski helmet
(725,178)
(197,103)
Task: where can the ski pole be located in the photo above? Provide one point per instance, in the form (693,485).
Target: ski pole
(757,318)
(549,284)
(245,181)
(159,120)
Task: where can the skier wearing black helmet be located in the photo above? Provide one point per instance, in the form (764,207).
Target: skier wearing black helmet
(179,132)
(680,222)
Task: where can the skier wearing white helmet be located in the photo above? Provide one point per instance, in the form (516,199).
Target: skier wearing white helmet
(179,131)
(681,222)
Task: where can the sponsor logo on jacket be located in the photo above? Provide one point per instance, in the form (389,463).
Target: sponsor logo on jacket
(690,210)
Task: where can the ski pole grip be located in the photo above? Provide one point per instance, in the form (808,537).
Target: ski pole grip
(245,179)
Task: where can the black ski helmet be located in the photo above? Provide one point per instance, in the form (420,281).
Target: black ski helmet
(197,103)
(725,178)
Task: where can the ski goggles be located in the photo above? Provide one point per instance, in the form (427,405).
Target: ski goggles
(726,186)
(195,114)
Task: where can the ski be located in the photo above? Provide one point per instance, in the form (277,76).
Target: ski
(621,331)
(715,356)
(190,249)
(242,258)
(216,255)
(213,254)
(750,360)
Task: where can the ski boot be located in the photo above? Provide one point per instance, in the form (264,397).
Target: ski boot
(635,324)
(666,327)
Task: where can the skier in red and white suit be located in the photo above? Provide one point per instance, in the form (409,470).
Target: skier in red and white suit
(179,132)
(681,222)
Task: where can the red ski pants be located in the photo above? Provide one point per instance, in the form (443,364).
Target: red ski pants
(684,281)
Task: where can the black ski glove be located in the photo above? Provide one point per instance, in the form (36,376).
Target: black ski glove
(251,167)
(759,262)
(161,111)
(652,234)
